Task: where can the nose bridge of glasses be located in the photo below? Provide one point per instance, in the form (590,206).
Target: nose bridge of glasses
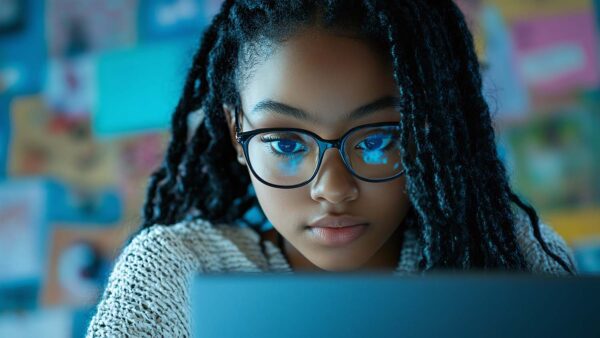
(325,145)
(332,178)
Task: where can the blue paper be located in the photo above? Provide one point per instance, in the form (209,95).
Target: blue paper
(21,294)
(23,230)
(505,93)
(23,53)
(161,19)
(139,88)
(81,207)
(587,258)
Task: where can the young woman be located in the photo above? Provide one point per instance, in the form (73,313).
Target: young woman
(357,128)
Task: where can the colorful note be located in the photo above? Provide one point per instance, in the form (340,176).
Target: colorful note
(22,48)
(58,146)
(524,9)
(22,220)
(79,262)
(77,27)
(557,54)
(503,88)
(160,19)
(139,88)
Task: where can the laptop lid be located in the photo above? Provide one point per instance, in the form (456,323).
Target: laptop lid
(374,305)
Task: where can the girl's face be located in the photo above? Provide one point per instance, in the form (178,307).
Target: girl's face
(327,76)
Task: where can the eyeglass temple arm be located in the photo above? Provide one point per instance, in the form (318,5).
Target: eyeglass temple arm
(238,129)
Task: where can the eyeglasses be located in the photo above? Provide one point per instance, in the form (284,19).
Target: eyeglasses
(291,157)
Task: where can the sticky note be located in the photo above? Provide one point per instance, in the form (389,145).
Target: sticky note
(138,88)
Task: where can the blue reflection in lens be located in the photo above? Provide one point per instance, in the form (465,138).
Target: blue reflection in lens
(289,153)
(374,157)
(374,147)
(290,166)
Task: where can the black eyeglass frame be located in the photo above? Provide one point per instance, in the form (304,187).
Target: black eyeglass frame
(243,138)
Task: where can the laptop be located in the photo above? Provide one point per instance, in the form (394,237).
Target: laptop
(380,305)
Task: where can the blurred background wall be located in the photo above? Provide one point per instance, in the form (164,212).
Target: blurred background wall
(86,92)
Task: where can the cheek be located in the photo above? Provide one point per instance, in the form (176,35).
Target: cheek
(384,202)
(281,206)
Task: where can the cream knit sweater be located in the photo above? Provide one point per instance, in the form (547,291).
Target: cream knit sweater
(147,292)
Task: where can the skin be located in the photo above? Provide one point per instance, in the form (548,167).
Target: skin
(327,75)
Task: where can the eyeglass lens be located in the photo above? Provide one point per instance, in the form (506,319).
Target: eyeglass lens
(289,158)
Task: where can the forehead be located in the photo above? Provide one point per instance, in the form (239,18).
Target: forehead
(325,74)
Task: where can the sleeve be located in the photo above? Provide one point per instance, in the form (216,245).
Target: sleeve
(538,260)
(147,292)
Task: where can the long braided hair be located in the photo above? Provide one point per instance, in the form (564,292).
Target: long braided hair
(462,204)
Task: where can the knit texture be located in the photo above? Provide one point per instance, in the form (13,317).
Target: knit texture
(147,294)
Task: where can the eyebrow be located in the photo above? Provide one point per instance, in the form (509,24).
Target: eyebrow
(367,109)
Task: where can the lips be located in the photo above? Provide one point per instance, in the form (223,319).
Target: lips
(337,221)
(337,230)
(337,236)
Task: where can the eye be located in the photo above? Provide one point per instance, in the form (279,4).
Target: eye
(284,145)
(375,142)
(287,147)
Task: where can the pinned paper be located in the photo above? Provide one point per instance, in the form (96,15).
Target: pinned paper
(79,262)
(139,156)
(175,18)
(138,88)
(554,159)
(503,89)
(22,221)
(22,47)
(559,53)
(56,322)
(525,9)
(72,204)
(472,10)
(76,27)
(12,18)
(71,86)
(59,147)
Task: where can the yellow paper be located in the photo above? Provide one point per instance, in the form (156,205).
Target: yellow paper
(523,9)
(472,11)
(575,225)
(71,154)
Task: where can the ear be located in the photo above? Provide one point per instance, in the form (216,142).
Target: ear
(230,117)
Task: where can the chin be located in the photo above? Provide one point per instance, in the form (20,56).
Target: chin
(338,265)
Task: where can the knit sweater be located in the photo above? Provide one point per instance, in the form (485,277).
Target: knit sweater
(147,294)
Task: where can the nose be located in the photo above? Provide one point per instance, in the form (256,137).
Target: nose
(333,183)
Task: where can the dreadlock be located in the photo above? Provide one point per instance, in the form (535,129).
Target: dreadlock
(462,204)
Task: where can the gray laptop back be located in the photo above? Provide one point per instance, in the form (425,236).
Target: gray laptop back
(361,305)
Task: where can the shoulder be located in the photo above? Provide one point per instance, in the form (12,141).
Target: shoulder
(200,244)
(222,247)
(147,291)
(538,259)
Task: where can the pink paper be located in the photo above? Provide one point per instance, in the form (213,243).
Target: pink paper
(557,54)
